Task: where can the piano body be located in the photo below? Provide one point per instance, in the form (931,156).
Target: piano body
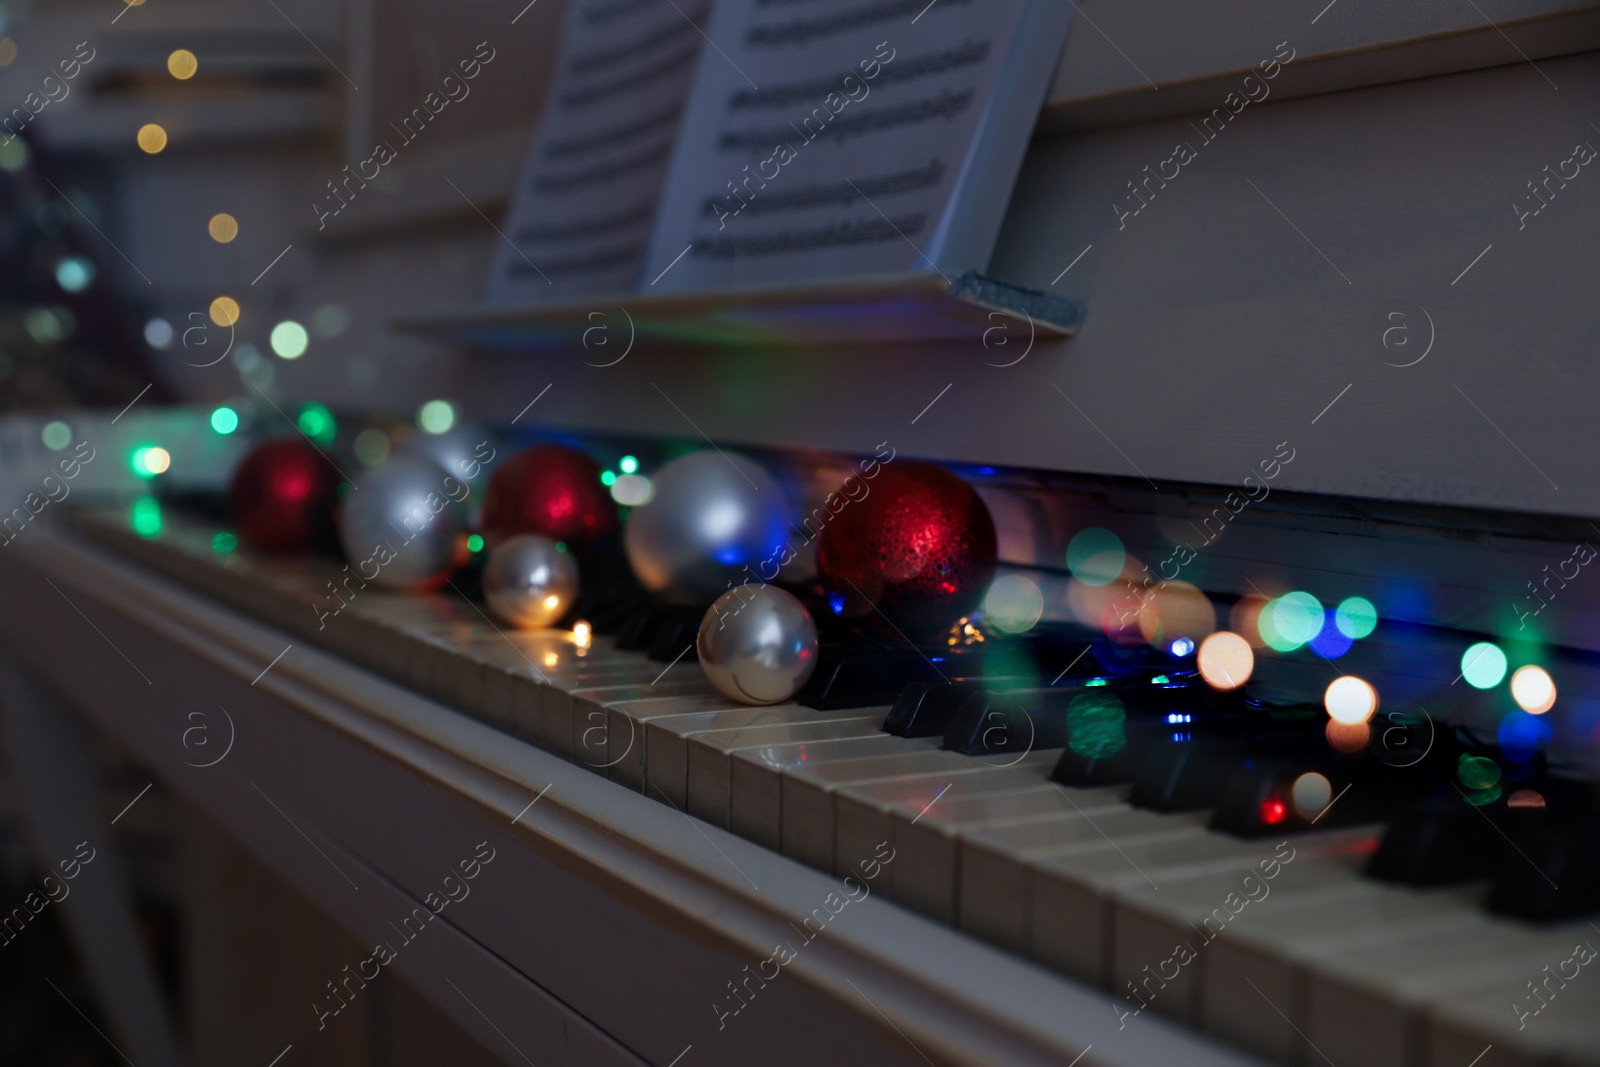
(1369,274)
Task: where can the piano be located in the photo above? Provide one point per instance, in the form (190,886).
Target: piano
(1382,848)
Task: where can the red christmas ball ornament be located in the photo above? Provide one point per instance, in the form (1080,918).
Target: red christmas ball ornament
(912,545)
(552,491)
(282,497)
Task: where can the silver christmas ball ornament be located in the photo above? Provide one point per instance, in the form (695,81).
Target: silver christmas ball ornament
(529,582)
(757,644)
(716,518)
(405,527)
(469,451)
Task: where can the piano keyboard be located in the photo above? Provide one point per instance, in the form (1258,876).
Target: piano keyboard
(1276,941)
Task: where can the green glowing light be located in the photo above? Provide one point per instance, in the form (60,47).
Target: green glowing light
(561,546)
(1097,681)
(1096,725)
(1477,772)
(372,447)
(289,339)
(1095,556)
(628,464)
(1160,679)
(474,543)
(1295,618)
(224,420)
(317,423)
(1483,665)
(436,416)
(1355,617)
(74,273)
(145,516)
(136,460)
(224,541)
(608,477)
(56,435)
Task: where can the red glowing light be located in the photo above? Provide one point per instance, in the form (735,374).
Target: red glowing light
(293,485)
(1273,811)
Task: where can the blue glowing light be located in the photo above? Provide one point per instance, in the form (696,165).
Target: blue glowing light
(985,470)
(836,602)
(1181,737)
(1177,717)
(1182,646)
(1521,735)
(1332,642)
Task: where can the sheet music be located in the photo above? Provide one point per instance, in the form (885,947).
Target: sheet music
(581,214)
(829,138)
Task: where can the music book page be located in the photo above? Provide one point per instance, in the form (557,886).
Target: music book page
(830,138)
(581,213)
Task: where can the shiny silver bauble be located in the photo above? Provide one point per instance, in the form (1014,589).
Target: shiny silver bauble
(716,517)
(757,644)
(405,527)
(529,582)
(469,451)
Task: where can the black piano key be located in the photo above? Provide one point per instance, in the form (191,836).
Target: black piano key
(641,632)
(925,709)
(1437,842)
(1093,710)
(674,637)
(1193,773)
(850,677)
(1555,874)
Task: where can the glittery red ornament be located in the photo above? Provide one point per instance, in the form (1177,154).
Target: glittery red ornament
(283,496)
(914,541)
(552,491)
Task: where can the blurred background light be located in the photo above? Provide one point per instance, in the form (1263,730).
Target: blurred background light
(289,339)
(1013,604)
(1095,556)
(56,435)
(436,416)
(182,64)
(1533,689)
(1483,665)
(1226,660)
(1350,700)
(151,138)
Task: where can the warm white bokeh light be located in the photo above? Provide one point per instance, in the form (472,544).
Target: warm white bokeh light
(1311,793)
(1225,660)
(1350,700)
(1533,689)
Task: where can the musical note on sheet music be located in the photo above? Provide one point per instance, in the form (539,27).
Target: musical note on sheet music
(831,138)
(583,207)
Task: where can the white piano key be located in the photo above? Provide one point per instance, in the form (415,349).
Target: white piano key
(554,729)
(626,739)
(1489,1028)
(667,746)
(1040,898)
(709,756)
(998,869)
(1317,906)
(807,830)
(762,791)
(863,812)
(929,845)
(585,712)
(1370,1004)
(1266,885)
